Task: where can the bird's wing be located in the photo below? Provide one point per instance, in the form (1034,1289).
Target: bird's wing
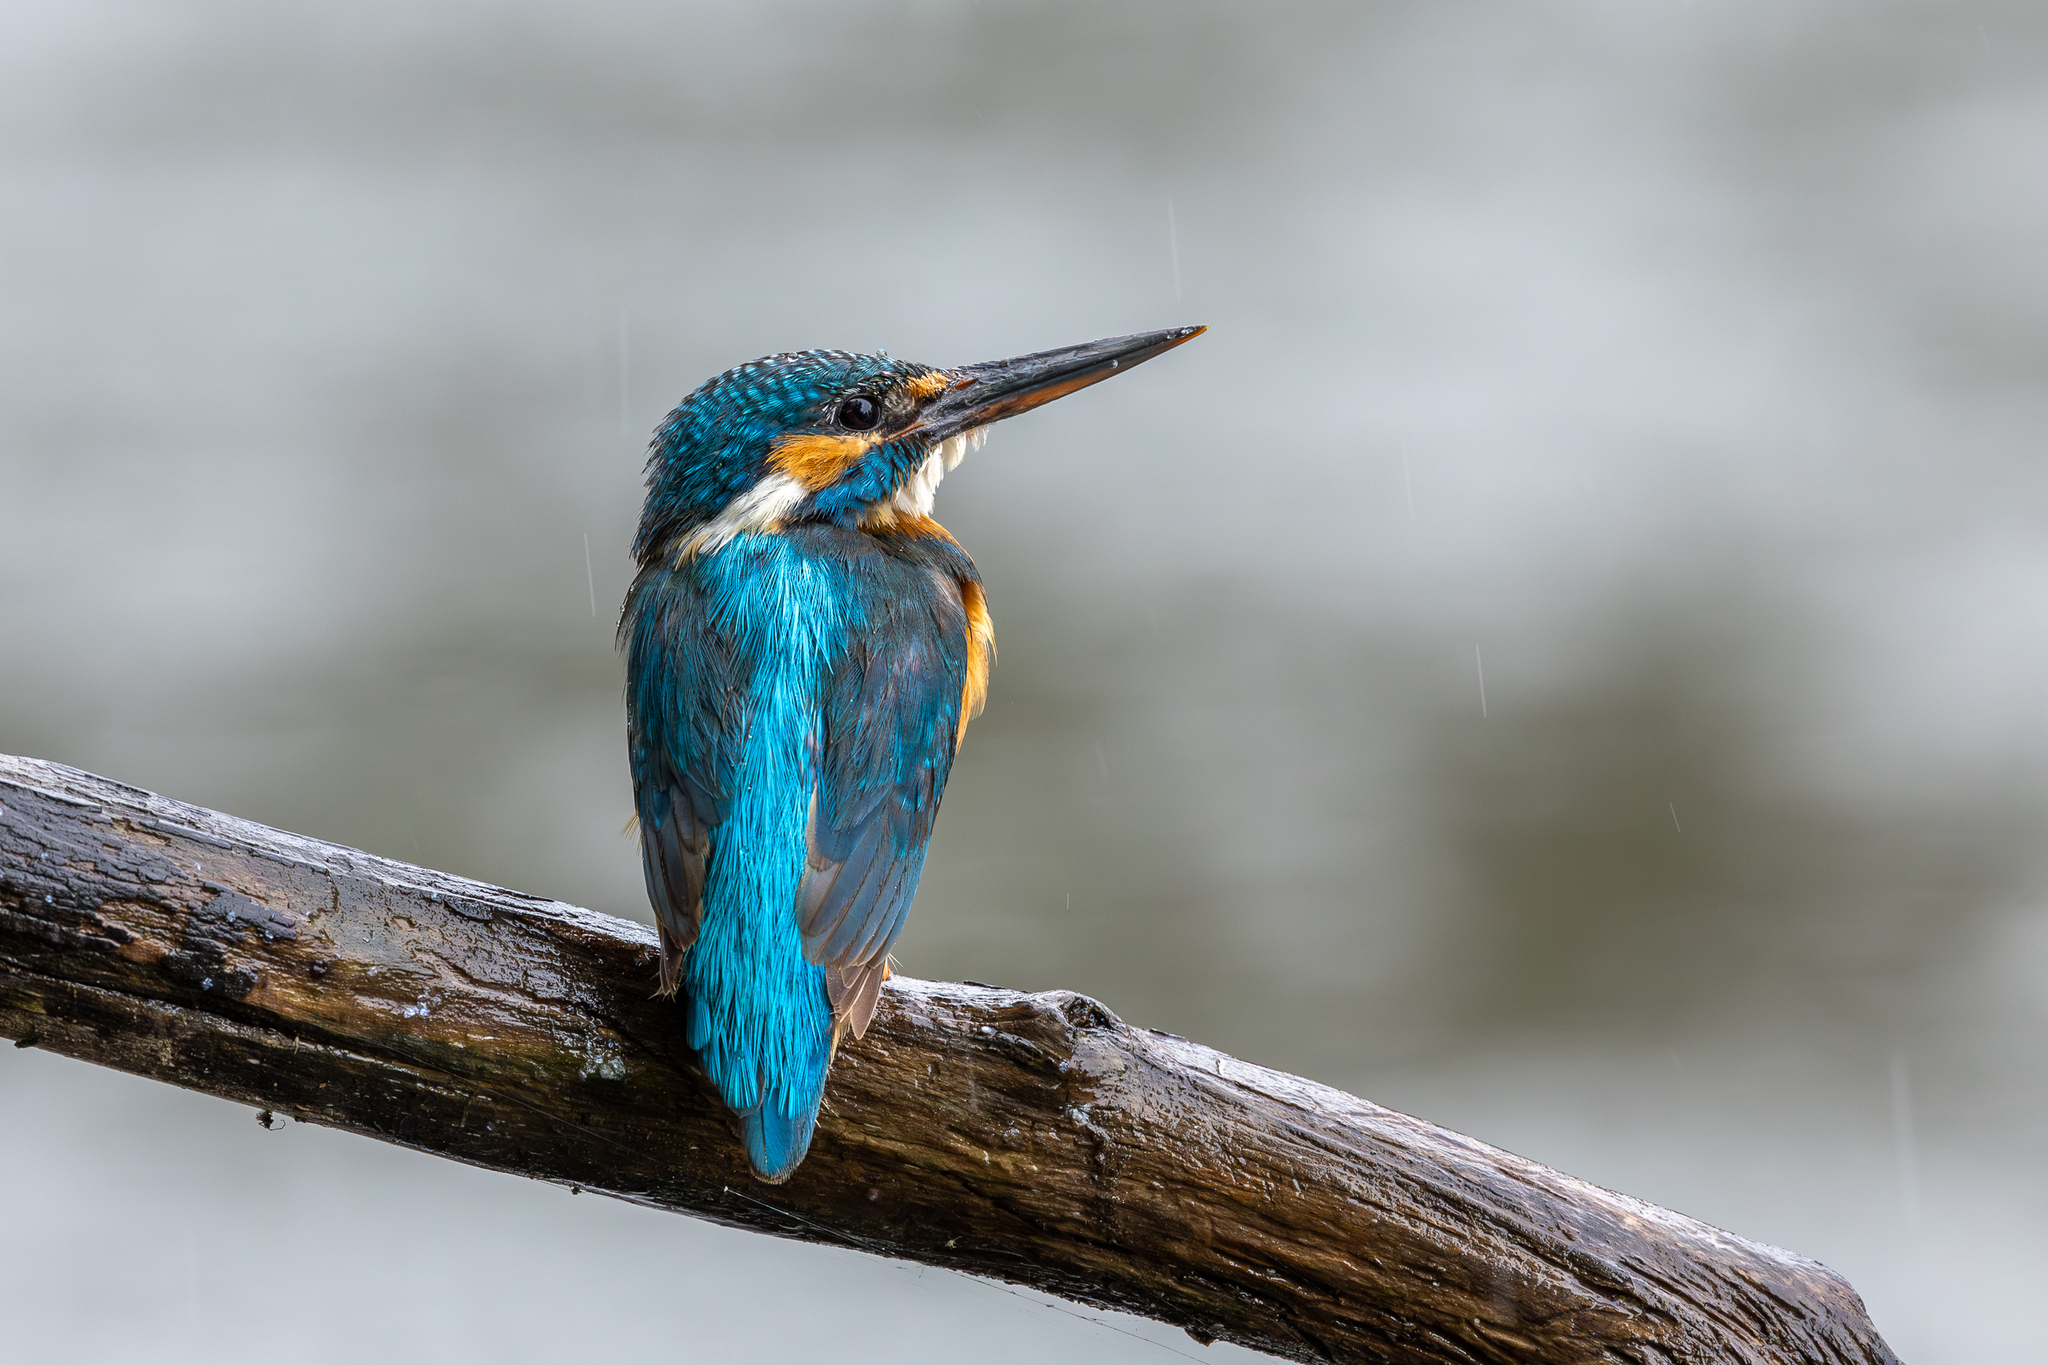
(681,685)
(890,725)
(672,854)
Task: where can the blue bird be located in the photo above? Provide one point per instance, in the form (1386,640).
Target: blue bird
(804,648)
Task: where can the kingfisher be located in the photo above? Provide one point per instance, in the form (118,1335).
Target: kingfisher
(804,648)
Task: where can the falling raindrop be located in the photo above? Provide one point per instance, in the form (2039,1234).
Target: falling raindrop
(589,577)
(1173,246)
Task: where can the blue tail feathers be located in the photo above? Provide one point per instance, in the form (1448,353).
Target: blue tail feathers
(773,1091)
(776,1142)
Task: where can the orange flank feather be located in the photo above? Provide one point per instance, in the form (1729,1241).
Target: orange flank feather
(981,652)
(888,519)
(817,460)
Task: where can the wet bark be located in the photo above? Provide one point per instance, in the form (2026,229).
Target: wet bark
(1031,1138)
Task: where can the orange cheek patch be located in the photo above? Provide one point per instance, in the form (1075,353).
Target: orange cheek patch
(817,460)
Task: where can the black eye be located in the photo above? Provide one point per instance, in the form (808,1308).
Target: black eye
(859,413)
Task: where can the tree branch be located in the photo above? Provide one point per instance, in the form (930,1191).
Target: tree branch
(1032,1138)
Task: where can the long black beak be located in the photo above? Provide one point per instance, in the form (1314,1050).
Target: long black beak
(996,389)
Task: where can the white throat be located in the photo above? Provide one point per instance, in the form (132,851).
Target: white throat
(915,497)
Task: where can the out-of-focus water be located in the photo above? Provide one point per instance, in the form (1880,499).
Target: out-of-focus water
(1679,364)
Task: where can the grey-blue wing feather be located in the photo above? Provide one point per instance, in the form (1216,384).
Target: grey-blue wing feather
(673,854)
(685,713)
(892,722)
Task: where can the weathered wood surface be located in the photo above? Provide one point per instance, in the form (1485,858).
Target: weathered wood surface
(1033,1138)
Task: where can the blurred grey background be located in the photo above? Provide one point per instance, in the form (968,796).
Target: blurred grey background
(1676,366)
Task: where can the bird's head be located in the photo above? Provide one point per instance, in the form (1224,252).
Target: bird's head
(830,436)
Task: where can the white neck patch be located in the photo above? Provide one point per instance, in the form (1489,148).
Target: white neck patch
(915,497)
(760,508)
